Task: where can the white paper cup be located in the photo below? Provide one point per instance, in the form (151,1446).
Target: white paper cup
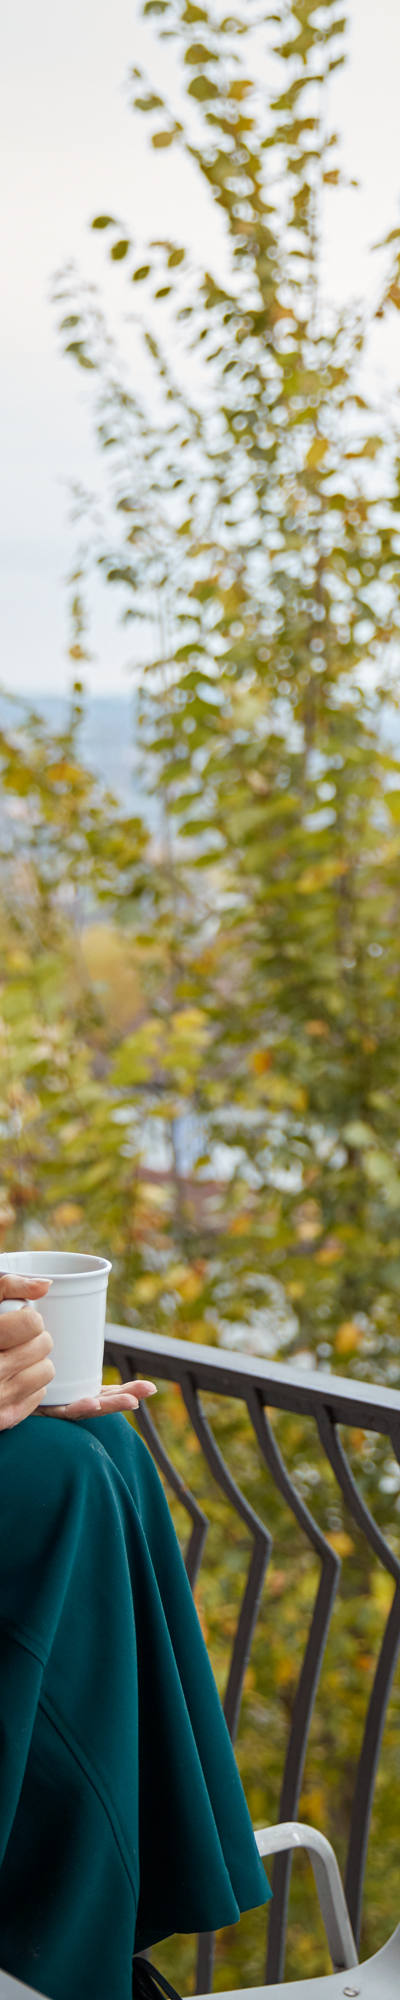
(74,1312)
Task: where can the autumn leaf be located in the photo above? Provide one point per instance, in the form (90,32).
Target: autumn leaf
(316,453)
(348,1337)
(341,1542)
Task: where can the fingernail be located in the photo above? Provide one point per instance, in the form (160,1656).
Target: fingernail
(152,1391)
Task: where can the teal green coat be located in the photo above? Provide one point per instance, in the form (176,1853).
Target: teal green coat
(122,1816)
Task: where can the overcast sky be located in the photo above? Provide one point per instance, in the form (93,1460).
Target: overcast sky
(69,148)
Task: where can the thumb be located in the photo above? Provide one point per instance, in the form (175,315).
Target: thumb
(22,1288)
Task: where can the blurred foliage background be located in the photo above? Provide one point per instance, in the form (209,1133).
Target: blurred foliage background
(229,978)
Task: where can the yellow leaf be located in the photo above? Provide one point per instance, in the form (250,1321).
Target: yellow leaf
(260,1061)
(155,1196)
(239,89)
(320,876)
(67,774)
(348,1337)
(318,1029)
(308,1222)
(317,452)
(381,1586)
(280,1090)
(341,1542)
(189,1022)
(147,1288)
(19,961)
(277,311)
(200,1330)
(314,1804)
(284,1670)
(174,1276)
(257,782)
(190,1286)
(329,1251)
(67,1214)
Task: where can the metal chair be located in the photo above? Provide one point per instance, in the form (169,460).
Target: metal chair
(377,1979)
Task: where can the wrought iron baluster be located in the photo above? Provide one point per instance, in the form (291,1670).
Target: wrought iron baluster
(377,1705)
(303,1705)
(258,1560)
(200,1525)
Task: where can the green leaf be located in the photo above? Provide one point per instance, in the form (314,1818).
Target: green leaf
(120,249)
(379,1167)
(202,87)
(357,1133)
(103,222)
(316,453)
(149,103)
(162,139)
(76,348)
(141,272)
(198,53)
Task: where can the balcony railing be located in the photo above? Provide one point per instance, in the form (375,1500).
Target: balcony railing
(340,1411)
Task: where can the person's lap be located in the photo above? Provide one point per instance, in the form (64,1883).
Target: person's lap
(129,1773)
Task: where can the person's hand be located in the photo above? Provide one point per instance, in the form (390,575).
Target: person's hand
(25,1350)
(26,1367)
(118,1396)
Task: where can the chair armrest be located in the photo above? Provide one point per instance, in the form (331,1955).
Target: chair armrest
(330,1891)
(11,1989)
